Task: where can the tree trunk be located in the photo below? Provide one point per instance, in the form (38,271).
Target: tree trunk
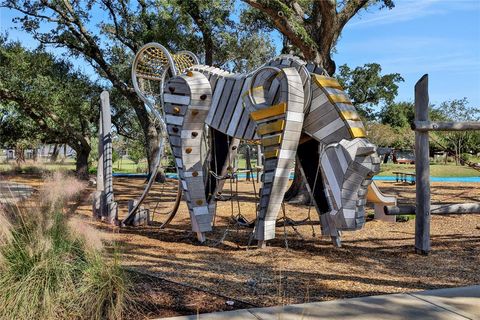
(82,163)
(150,132)
(152,139)
(460,151)
(19,154)
(297,193)
(456,154)
(208,43)
(35,154)
(54,156)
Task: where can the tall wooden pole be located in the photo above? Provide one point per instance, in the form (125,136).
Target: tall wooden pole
(259,161)
(248,161)
(422,170)
(100,185)
(99,195)
(110,205)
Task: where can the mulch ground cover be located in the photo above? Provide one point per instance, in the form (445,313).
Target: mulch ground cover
(159,298)
(299,265)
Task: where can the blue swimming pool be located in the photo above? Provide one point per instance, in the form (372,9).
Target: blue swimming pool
(379,178)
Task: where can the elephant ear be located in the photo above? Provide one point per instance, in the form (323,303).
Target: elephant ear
(184,60)
(150,68)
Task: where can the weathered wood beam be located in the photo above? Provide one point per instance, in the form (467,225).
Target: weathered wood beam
(458,208)
(110,207)
(424,126)
(422,170)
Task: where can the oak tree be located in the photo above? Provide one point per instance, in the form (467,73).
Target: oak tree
(45,100)
(313,27)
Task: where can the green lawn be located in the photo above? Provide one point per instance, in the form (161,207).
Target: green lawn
(128,166)
(67,164)
(436,170)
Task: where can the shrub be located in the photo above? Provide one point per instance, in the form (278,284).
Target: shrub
(464,157)
(405,217)
(104,289)
(53,266)
(92,170)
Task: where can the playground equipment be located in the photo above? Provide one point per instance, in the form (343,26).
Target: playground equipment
(292,107)
(379,200)
(104,206)
(149,89)
(423,208)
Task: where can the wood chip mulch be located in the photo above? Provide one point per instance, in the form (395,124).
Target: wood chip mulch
(378,259)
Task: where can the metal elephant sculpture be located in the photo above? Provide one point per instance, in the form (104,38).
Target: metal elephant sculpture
(296,111)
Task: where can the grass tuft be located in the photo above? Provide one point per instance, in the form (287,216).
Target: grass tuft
(53,266)
(104,289)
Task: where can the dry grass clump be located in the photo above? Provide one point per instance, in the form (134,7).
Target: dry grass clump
(84,232)
(59,188)
(5,226)
(53,267)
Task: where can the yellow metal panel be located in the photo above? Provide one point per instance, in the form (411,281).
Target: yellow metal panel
(357,132)
(275,140)
(323,81)
(253,90)
(339,98)
(269,112)
(271,154)
(349,115)
(271,127)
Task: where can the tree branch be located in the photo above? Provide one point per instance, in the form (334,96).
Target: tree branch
(349,10)
(287,21)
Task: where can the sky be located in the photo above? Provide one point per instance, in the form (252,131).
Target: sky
(438,37)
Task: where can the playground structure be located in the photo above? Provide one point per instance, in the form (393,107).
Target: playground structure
(423,208)
(294,111)
(293,108)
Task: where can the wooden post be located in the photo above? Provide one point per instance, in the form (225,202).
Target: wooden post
(99,194)
(110,212)
(422,170)
(445,126)
(259,161)
(100,185)
(445,209)
(248,161)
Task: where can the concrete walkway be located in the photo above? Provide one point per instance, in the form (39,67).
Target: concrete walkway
(12,192)
(453,303)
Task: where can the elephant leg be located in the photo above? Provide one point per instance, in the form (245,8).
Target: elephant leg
(279,127)
(186,108)
(310,166)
